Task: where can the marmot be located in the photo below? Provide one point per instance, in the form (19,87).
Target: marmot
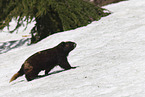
(46,60)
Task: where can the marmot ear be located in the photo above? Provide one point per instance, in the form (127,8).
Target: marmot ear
(62,43)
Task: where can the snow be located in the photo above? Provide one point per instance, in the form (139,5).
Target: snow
(110,56)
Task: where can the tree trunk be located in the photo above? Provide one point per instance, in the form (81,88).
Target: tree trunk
(104,2)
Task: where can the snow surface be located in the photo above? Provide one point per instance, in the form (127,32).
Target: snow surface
(110,54)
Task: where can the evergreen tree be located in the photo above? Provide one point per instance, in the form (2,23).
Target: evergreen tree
(51,16)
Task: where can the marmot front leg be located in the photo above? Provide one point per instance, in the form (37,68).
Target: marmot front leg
(63,63)
(48,70)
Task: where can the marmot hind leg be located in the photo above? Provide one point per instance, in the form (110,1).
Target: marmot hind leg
(31,75)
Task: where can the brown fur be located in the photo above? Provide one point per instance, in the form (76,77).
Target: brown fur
(14,77)
(46,60)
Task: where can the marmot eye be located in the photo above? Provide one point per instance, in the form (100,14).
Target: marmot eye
(67,45)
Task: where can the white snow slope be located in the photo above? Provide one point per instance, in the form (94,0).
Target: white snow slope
(110,54)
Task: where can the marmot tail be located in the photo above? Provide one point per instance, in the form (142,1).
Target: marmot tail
(18,74)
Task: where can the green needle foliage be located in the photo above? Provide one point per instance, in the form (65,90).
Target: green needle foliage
(51,16)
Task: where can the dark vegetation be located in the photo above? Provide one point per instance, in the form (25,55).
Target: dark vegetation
(51,16)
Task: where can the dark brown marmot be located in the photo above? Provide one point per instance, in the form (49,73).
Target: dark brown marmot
(46,60)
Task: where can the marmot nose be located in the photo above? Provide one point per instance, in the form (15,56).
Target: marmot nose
(75,44)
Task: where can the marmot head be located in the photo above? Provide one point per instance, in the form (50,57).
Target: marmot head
(67,46)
